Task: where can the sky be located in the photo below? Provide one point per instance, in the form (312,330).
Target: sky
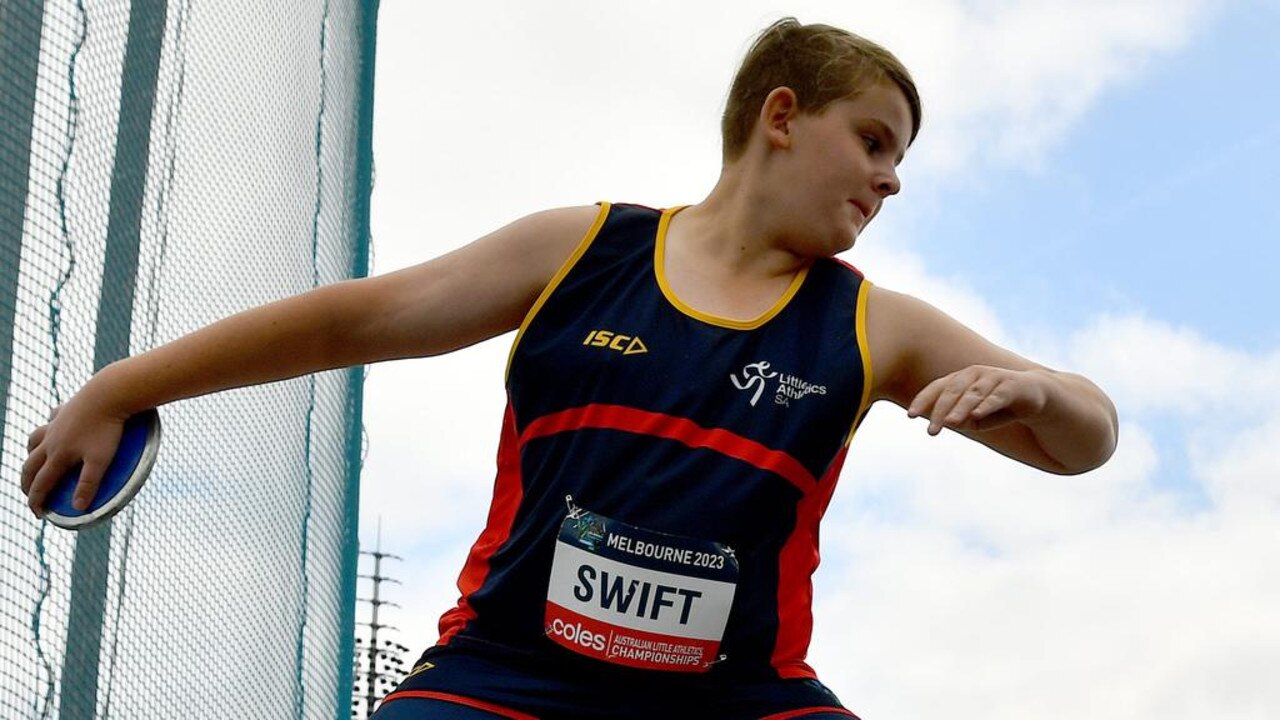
(1093,187)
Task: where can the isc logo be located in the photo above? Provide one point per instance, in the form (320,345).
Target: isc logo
(625,344)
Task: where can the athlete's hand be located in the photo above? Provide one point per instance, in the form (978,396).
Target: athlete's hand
(980,397)
(80,431)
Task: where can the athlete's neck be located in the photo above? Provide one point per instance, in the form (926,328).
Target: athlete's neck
(734,233)
(722,256)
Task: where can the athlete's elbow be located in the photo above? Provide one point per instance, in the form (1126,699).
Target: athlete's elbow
(1084,431)
(1105,436)
(350,325)
(1090,449)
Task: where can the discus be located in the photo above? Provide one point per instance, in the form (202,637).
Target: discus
(124,476)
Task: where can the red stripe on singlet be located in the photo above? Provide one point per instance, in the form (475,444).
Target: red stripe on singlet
(796,563)
(807,711)
(672,427)
(850,266)
(460,700)
(508,490)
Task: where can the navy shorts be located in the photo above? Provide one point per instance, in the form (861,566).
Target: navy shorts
(453,684)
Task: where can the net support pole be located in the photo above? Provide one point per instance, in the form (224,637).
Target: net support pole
(355,376)
(21,27)
(115,319)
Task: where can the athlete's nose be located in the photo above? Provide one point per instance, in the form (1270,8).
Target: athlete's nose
(888,184)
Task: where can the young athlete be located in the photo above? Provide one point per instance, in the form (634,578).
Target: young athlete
(683,387)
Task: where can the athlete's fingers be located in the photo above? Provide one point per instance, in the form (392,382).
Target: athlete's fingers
(37,436)
(44,481)
(91,474)
(996,409)
(979,397)
(923,402)
(928,400)
(957,400)
(943,408)
(29,469)
(998,399)
(995,419)
(964,411)
(957,388)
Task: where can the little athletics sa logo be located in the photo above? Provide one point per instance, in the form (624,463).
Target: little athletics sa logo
(757,376)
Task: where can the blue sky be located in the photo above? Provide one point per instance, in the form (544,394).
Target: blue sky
(1162,199)
(1093,187)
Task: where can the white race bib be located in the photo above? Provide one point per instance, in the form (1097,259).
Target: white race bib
(636,597)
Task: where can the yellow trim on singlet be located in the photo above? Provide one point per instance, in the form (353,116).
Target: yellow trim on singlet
(557,278)
(659,269)
(864,350)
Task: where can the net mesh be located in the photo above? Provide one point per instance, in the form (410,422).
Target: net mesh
(164,165)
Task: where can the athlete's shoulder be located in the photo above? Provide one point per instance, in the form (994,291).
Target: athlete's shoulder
(562,221)
(548,237)
(557,221)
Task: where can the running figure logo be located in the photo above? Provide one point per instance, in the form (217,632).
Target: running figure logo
(754,376)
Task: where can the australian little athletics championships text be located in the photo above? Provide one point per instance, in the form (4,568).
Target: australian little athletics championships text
(654,652)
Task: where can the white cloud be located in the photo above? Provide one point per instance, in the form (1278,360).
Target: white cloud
(1165,368)
(1006,80)
(1243,475)
(1138,619)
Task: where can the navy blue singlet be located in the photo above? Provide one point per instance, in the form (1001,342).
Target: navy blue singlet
(662,472)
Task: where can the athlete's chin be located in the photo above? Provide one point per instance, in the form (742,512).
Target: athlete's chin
(828,244)
(845,242)
(854,232)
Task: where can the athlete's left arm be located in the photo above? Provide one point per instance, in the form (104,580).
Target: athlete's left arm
(935,367)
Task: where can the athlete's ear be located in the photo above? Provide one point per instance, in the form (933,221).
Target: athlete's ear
(780,108)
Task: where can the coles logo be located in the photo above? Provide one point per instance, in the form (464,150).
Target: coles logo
(575,633)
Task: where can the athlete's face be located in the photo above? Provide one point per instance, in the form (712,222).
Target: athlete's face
(845,165)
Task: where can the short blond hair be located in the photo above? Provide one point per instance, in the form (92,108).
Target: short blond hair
(820,63)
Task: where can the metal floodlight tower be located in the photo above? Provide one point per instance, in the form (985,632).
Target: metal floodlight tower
(386,663)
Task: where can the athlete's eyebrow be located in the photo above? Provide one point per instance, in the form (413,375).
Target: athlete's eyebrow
(890,135)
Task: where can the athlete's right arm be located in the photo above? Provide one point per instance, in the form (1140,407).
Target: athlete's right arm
(471,294)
